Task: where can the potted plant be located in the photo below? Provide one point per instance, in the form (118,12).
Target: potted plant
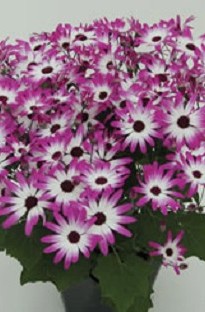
(102,157)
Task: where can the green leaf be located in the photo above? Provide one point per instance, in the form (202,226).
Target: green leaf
(65,278)
(193,225)
(141,304)
(2,239)
(27,250)
(34,274)
(46,270)
(123,282)
(148,228)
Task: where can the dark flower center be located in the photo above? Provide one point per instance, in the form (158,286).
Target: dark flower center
(101,180)
(83,117)
(47,70)
(145,101)
(3,99)
(101,218)
(155,190)
(67,186)
(36,48)
(103,95)
(56,155)
(55,128)
(138,126)
(81,37)
(123,104)
(156,38)
(197,174)
(162,77)
(31,202)
(76,151)
(109,65)
(73,237)
(169,252)
(108,146)
(183,122)
(65,45)
(190,46)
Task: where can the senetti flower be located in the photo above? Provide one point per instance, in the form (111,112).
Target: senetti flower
(172,251)
(103,125)
(158,187)
(71,237)
(193,172)
(183,123)
(109,217)
(23,199)
(63,185)
(104,175)
(138,126)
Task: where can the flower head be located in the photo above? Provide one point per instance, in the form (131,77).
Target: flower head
(71,237)
(172,251)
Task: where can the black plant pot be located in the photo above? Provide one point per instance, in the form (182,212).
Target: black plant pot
(84,297)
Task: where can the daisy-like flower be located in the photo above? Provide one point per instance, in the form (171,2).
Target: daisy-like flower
(8,91)
(75,149)
(138,126)
(85,115)
(106,63)
(61,36)
(101,175)
(72,237)
(155,35)
(58,123)
(182,123)
(157,68)
(158,187)
(28,102)
(193,168)
(49,151)
(19,148)
(188,45)
(109,217)
(80,38)
(172,251)
(102,88)
(106,147)
(63,185)
(45,69)
(5,160)
(23,199)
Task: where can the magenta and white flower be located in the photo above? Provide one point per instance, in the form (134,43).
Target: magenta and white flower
(158,188)
(57,124)
(76,147)
(49,151)
(182,123)
(71,237)
(137,127)
(45,69)
(63,185)
(193,172)
(109,217)
(102,88)
(95,117)
(103,175)
(172,251)
(23,200)
(155,35)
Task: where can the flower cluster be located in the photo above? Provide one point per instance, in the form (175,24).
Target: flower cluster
(97,123)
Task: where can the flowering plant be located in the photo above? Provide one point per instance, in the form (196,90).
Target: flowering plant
(102,154)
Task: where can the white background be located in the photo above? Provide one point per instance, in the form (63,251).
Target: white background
(18,19)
